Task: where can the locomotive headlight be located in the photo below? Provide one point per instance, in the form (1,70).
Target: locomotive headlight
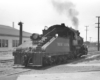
(34,36)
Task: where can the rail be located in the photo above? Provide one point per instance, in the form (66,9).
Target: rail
(49,32)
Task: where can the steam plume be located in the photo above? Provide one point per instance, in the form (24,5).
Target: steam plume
(69,9)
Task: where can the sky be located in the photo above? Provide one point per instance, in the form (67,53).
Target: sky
(36,14)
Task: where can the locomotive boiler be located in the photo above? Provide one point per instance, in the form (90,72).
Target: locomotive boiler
(56,45)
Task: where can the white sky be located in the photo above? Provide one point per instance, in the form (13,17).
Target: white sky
(35,14)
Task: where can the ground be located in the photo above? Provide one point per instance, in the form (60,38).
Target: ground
(87,68)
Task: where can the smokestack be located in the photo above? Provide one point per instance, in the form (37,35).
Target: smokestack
(67,8)
(20,33)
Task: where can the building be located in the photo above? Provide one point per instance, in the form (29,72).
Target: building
(9,37)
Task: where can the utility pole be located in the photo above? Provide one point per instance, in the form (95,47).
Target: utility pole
(98,30)
(86,32)
(13,24)
(90,39)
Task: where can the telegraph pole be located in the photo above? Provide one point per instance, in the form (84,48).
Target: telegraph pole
(90,39)
(98,30)
(13,24)
(86,32)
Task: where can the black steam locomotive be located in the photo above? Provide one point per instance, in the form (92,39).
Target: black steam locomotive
(57,44)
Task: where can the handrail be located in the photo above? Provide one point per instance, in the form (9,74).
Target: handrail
(49,32)
(49,42)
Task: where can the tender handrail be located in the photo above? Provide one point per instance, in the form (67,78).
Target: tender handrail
(49,42)
(49,32)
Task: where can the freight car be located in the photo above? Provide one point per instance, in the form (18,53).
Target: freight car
(56,45)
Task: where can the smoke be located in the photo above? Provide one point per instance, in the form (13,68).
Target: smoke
(69,9)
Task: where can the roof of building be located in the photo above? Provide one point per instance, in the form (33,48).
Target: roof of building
(10,31)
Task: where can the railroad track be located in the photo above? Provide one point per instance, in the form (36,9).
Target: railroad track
(34,68)
(31,68)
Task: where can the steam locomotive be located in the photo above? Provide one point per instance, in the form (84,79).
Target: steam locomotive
(56,45)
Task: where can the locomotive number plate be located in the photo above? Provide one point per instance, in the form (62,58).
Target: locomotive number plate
(62,44)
